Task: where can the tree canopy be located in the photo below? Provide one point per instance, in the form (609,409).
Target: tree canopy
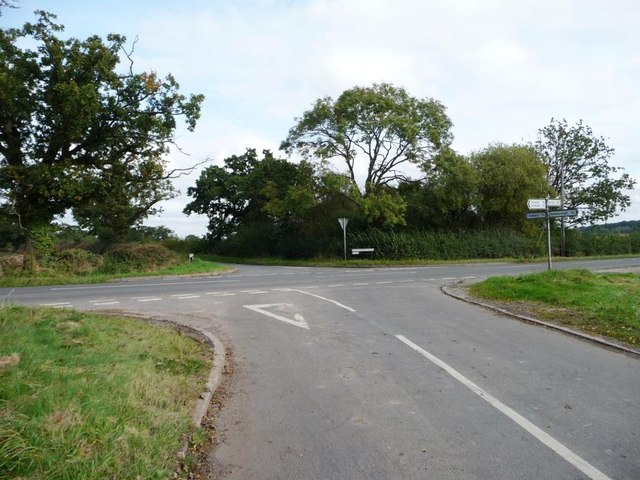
(375,129)
(578,169)
(79,130)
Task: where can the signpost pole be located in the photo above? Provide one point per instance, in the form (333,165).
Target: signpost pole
(546,203)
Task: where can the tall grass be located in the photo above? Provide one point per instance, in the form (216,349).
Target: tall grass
(93,397)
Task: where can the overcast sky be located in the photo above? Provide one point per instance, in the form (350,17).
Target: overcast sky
(503,68)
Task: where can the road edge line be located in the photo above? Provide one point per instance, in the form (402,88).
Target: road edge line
(543,437)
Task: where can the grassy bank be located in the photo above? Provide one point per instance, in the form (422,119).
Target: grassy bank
(53,277)
(596,303)
(93,397)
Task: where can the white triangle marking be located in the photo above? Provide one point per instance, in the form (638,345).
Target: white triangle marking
(299,319)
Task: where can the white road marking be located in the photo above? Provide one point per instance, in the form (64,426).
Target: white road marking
(541,435)
(58,304)
(187,297)
(362,284)
(221,294)
(178,295)
(97,287)
(281,289)
(103,300)
(383,283)
(105,303)
(326,299)
(299,319)
(149,299)
(406,281)
(336,285)
(253,292)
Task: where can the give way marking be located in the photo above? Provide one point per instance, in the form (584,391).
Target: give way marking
(298,321)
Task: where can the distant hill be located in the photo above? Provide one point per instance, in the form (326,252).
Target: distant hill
(629,226)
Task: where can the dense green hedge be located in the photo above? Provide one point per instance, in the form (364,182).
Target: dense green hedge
(447,245)
(601,243)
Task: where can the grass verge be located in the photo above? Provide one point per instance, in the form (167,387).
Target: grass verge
(93,397)
(597,303)
(34,279)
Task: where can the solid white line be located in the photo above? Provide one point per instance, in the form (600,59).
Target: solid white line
(541,435)
(326,299)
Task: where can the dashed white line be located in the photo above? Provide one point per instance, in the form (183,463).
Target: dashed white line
(336,285)
(187,297)
(58,304)
(105,303)
(571,457)
(149,299)
(361,284)
(383,283)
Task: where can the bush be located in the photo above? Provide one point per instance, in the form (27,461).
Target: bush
(131,257)
(73,261)
(11,264)
(598,243)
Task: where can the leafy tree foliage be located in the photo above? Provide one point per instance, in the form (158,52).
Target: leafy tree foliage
(248,190)
(381,127)
(446,199)
(578,169)
(508,175)
(79,131)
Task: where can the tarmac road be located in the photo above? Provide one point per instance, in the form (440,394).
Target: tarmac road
(375,374)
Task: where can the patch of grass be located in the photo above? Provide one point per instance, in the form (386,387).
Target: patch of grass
(93,397)
(598,303)
(33,279)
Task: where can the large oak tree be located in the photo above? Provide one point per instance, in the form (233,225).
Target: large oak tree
(79,127)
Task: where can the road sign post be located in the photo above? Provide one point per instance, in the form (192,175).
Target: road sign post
(544,204)
(343,223)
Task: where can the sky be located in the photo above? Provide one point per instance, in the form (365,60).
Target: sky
(502,68)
